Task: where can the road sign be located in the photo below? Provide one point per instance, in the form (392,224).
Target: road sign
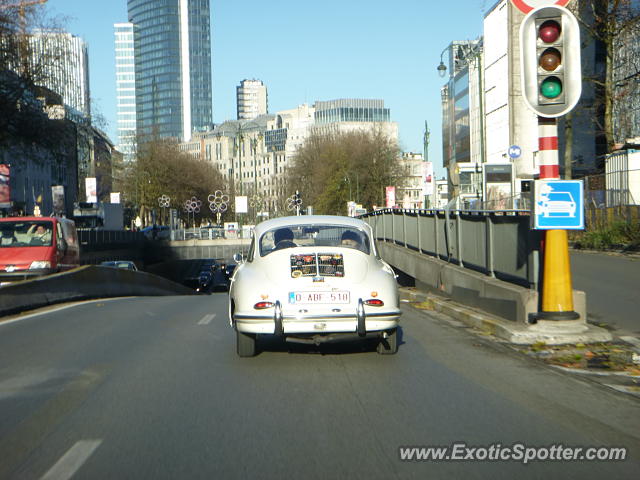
(515,151)
(559,205)
(525,6)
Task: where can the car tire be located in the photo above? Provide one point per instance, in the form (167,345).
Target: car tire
(389,345)
(246,344)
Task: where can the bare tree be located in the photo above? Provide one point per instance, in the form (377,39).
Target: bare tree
(330,170)
(612,24)
(162,169)
(24,69)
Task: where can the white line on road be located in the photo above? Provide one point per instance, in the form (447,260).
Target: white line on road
(71,461)
(207,319)
(47,310)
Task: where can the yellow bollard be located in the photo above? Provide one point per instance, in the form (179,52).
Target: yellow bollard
(557,290)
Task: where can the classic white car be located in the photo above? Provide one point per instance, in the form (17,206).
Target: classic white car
(313,279)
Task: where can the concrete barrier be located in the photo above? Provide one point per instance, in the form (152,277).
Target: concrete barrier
(505,300)
(84,283)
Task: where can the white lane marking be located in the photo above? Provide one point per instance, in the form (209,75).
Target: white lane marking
(71,461)
(63,307)
(207,319)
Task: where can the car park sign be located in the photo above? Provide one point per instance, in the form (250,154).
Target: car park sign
(559,205)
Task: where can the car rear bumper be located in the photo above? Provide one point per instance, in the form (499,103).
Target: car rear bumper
(317,324)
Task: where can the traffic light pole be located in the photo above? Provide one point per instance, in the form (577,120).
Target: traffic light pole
(557,290)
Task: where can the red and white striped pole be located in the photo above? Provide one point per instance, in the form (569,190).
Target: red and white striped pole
(548,148)
(557,290)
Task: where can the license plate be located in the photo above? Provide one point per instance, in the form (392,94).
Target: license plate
(319,297)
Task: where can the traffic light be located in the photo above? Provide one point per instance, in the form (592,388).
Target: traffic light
(550,61)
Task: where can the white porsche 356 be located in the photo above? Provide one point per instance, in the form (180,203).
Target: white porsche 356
(313,279)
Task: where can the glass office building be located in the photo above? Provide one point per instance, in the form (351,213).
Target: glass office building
(172,43)
(351,110)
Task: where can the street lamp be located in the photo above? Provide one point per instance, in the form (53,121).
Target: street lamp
(347,179)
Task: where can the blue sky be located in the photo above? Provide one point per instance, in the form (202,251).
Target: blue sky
(306,51)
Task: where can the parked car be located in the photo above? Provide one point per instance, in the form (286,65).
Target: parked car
(124,264)
(34,246)
(313,279)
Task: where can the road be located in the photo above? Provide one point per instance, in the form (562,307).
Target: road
(152,388)
(612,283)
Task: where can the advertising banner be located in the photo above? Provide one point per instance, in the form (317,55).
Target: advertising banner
(241,204)
(115,197)
(91,189)
(57,195)
(5,190)
(427,179)
(391,196)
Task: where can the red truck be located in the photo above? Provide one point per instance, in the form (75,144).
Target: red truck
(33,246)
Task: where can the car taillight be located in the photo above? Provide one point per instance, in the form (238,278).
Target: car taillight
(263,305)
(374,302)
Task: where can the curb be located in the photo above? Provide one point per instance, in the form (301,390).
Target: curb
(551,333)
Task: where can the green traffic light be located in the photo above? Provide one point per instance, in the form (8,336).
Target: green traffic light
(551,87)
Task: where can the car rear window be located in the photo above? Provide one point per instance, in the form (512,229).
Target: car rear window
(314,236)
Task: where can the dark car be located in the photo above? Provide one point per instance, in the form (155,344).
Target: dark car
(124,264)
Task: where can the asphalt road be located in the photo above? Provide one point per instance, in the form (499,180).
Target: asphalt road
(612,284)
(152,388)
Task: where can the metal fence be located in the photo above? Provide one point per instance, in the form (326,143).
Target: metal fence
(500,244)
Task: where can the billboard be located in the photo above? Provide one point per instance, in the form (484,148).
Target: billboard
(57,195)
(427,179)
(391,196)
(5,189)
(91,189)
(241,204)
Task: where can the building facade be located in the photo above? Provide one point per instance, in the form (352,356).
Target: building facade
(410,194)
(351,114)
(251,99)
(172,50)
(253,155)
(125,90)
(64,60)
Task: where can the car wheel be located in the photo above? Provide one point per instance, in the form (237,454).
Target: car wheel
(246,344)
(389,345)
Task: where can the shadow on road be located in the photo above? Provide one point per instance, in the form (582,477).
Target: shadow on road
(269,343)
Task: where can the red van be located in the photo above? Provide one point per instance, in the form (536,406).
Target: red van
(32,246)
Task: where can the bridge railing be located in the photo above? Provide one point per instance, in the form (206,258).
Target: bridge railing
(498,243)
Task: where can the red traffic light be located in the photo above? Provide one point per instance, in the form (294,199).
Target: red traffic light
(549,31)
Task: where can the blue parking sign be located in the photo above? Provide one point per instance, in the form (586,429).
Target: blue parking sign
(559,204)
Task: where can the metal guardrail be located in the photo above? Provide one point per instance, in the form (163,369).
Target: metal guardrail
(500,244)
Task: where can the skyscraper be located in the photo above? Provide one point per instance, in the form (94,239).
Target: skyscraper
(172,45)
(65,62)
(125,89)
